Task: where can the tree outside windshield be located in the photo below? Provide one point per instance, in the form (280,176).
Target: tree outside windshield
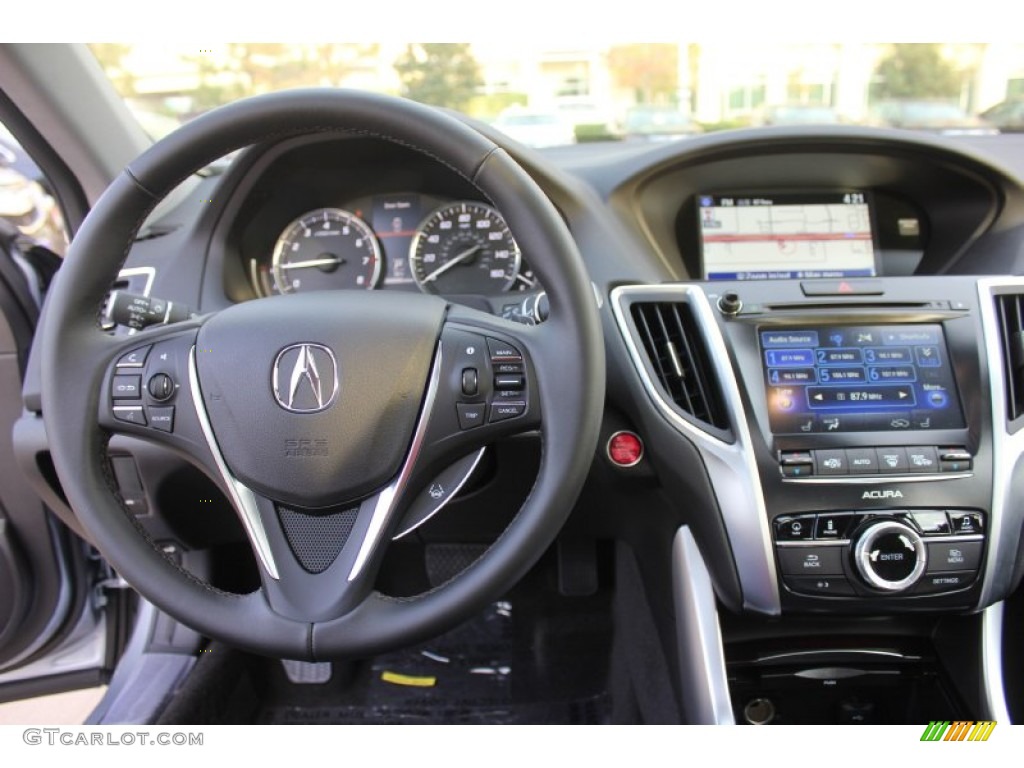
(546,96)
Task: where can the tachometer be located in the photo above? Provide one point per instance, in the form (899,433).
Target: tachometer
(325,249)
(464,247)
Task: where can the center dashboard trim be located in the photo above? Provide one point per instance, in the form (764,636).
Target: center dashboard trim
(731,467)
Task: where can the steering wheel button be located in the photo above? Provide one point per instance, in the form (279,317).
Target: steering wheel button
(134,359)
(470,382)
(502,352)
(126,387)
(132,414)
(162,418)
(508,367)
(502,411)
(161,387)
(470,414)
(509,382)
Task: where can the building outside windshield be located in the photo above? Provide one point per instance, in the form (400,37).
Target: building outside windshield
(545,96)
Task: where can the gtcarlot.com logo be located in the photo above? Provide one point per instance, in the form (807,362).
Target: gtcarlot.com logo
(67,737)
(959,730)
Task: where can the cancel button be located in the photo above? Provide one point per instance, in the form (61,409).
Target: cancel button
(954,556)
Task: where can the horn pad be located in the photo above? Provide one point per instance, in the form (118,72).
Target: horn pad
(313,398)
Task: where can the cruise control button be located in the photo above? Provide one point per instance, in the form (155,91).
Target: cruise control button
(503,352)
(790,528)
(822,585)
(862,461)
(162,418)
(832,462)
(130,413)
(126,387)
(507,381)
(470,414)
(931,583)
(953,556)
(923,459)
(134,359)
(808,561)
(508,367)
(892,460)
(966,522)
(502,411)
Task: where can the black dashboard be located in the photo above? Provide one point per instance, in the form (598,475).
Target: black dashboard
(800,427)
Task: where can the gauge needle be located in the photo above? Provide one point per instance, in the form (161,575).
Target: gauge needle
(457,260)
(313,263)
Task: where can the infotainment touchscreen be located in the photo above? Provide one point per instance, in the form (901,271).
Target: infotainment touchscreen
(786,236)
(859,378)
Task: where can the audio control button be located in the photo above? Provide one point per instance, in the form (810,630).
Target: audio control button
(811,561)
(966,522)
(890,556)
(953,555)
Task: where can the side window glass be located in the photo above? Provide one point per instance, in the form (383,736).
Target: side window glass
(25,197)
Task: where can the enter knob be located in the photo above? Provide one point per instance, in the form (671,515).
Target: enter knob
(890,556)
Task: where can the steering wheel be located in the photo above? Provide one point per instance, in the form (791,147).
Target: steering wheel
(322,416)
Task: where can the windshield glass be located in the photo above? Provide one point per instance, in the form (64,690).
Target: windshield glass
(545,95)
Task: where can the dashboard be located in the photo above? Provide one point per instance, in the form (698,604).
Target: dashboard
(812,334)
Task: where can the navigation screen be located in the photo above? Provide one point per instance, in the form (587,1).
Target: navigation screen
(869,378)
(786,236)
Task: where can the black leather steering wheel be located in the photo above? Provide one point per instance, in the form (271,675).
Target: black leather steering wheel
(321,415)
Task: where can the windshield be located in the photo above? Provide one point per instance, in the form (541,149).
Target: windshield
(544,95)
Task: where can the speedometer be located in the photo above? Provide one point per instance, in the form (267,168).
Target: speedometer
(464,247)
(326,249)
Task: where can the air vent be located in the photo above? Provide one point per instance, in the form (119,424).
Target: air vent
(679,359)
(1010,311)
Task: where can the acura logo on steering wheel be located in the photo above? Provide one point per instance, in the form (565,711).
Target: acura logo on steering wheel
(305,378)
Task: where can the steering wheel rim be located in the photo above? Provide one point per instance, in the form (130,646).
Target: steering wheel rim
(76,357)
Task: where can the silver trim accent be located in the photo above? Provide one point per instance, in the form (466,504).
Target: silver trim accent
(385,503)
(1007,450)
(608,448)
(994,695)
(877,479)
(731,467)
(149,272)
(862,558)
(704,682)
(242,498)
(831,652)
(936,538)
(448,499)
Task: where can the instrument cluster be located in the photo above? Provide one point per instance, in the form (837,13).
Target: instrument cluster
(403,241)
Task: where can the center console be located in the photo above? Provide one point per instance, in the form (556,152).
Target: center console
(867,449)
